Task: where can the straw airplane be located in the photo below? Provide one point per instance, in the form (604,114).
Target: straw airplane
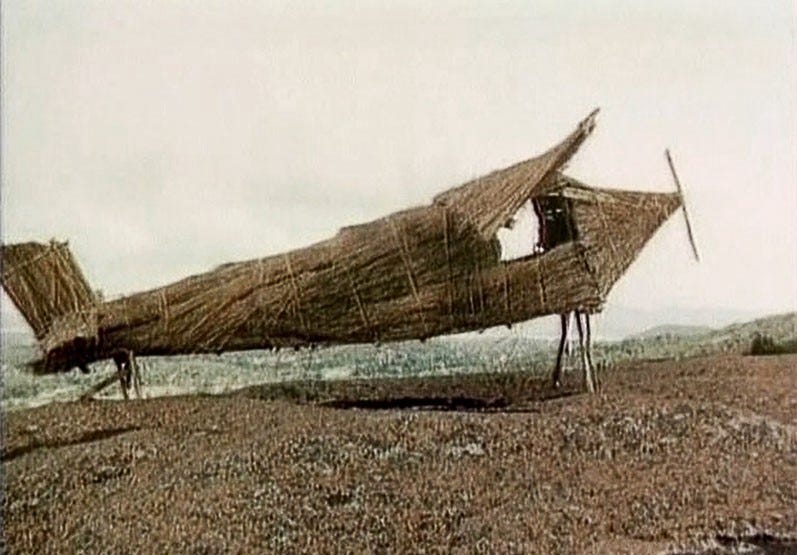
(414,274)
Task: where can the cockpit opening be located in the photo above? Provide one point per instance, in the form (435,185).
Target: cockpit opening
(541,224)
(555,216)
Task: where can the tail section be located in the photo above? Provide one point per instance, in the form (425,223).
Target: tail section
(47,286)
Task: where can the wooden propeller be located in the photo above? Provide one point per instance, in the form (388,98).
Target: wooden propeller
(683,205)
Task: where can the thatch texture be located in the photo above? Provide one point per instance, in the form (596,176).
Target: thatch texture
(45,283)
(489,201)
(411,275)
(615,225)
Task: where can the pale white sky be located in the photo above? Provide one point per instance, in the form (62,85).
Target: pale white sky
(164,138)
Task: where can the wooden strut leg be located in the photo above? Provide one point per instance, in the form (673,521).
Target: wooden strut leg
(569,343)
(123,372)
(136,375)
(126,374)
(557,371)
(589,381)
(595,377)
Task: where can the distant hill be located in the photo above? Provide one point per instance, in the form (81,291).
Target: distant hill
(733,338)
(674,330)
(618,321)
(781,327)
(621,322)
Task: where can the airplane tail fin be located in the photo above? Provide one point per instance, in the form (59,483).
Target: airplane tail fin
(46,284)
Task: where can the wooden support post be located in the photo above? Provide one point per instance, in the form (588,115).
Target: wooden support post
(557,371)
(99,386)
(136,374)
(127,374)
(589,381)
(569,342)
(595,380)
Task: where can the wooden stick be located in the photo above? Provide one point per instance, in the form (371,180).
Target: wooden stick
(564,320)
(136,375)
(683,205)
(99,386)
(589,381)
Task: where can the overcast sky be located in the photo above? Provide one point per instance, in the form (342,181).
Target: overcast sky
(164,138)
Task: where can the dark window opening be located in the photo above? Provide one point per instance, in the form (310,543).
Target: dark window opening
(555,217)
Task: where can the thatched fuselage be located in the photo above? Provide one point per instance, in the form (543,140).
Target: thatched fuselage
(419,273)
(409,276)
(416,274)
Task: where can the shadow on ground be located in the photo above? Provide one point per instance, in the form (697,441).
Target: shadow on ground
(468,393)
(88,437)
(437,403)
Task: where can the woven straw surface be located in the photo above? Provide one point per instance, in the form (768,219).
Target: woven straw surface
(411,275)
